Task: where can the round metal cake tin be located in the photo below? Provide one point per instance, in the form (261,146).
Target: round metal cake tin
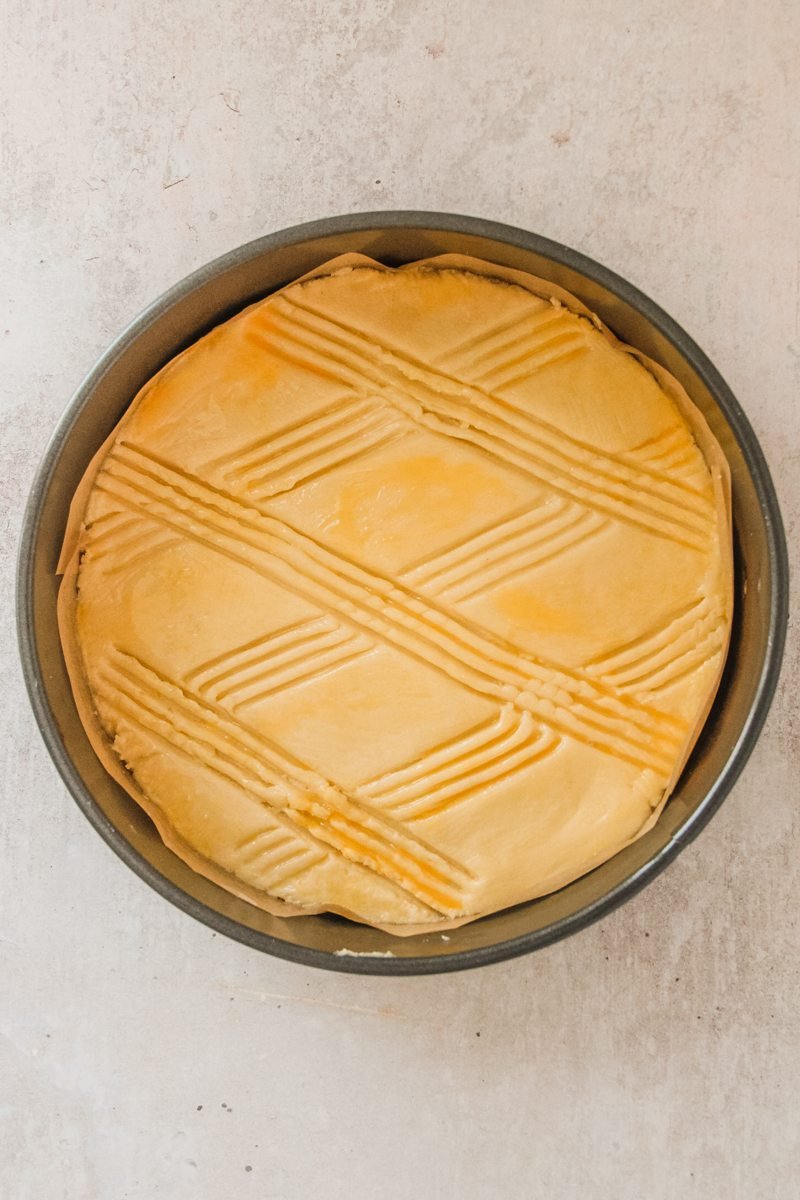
(212,294)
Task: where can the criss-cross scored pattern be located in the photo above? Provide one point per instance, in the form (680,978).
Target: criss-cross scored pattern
(306,805)
(568,701)
(611,485)
(607,705)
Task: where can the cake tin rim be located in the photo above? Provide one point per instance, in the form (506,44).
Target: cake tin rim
(740,752)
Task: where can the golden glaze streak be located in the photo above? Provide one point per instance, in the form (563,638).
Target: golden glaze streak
(303,798)
(608,721)
(646,493)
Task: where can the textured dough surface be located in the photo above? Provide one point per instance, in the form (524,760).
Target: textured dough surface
(403,595)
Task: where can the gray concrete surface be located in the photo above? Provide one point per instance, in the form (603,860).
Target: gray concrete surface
(653,1056)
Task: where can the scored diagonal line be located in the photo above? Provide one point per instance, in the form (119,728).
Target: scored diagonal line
(566,700)
(679,646)
(289,438)
(558,341)
(278,855)
(298,453)
(277,661)
(300,797)
(359,359)
(672,452)
(496,340)
(525,540)
(103,533)
(454,771)
(131,539)
(219,668)
(139,715)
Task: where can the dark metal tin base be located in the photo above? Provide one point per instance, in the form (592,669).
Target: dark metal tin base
(215,292)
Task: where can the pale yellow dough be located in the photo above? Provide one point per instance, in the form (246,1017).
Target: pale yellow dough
(403,595)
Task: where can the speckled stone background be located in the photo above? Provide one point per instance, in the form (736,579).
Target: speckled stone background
(655,1056)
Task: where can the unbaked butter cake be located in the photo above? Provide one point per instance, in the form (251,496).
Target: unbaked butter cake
(403,594)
